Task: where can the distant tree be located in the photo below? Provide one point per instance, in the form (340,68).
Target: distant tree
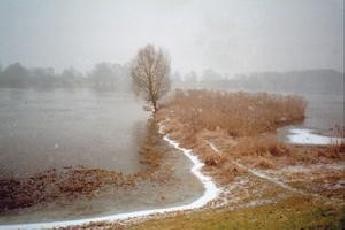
(176,77)
(42,77)
(69,76)
(15,75)
(150,72)
(0,75)
(191,77)
(210,75)
(103,75)
(123,82)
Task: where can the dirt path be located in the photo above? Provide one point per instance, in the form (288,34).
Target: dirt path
(275,181)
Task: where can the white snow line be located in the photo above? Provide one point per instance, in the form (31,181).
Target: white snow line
(283,185)
(211,192)
(266,177)
(257,173)
(339,166)
(213,147)
(275,181)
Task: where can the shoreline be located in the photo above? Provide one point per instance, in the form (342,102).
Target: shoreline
(301,135)
(252,168)
(211,191)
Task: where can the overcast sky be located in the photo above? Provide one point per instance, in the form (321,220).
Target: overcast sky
(225,35)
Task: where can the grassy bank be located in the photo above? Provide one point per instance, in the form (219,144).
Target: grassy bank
(291,213)
(234,134)
(243,128)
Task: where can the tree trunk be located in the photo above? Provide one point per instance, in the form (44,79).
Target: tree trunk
(155,106)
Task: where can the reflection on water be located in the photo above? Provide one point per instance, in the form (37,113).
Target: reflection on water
(42,130)
(323,114)
(324,111)
(306,136)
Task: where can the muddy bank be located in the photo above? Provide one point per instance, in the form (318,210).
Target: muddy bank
(91,193)
(210,193)
(49,185)
(76,181)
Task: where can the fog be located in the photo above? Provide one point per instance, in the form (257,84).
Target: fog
(96,124)
(226,36)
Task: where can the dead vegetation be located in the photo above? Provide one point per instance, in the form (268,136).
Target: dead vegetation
(239,114)
(79,181)
(51,184)
(243,127)
(199,118)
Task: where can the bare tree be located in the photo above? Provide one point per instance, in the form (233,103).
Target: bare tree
(150,72)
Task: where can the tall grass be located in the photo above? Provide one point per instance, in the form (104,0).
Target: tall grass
(240,114)
(242,126)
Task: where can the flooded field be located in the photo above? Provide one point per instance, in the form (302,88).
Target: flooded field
(86,130)
(55,129)
(322,124)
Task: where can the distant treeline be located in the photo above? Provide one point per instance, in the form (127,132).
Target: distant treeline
(103,75)
(300,82)
(116,77)
(311,81)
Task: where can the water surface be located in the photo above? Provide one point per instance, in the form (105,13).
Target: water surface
(41,130)
(324,113)
(53,129)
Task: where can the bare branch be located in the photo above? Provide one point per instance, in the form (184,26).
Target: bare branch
(150,73)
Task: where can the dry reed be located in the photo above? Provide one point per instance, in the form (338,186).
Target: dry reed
(240,114)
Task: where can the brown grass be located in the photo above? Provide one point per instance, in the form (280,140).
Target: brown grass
(239,121)
(79,181)
(240,114)
(243,126)
(261,146)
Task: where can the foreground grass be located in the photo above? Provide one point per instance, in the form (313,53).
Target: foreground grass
(291,213)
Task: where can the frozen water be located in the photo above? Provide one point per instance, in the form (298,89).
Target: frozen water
(306,136)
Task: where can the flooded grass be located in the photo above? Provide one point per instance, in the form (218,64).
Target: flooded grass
(164,181)
(77,181)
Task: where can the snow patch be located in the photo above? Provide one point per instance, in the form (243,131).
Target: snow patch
(306,136)
(311,168)
(266,177)
(213,147)
(257,172)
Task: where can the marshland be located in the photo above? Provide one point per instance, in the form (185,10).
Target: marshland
(171,115)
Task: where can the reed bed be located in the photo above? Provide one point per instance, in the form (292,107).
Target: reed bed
(243,126)
(240,114)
